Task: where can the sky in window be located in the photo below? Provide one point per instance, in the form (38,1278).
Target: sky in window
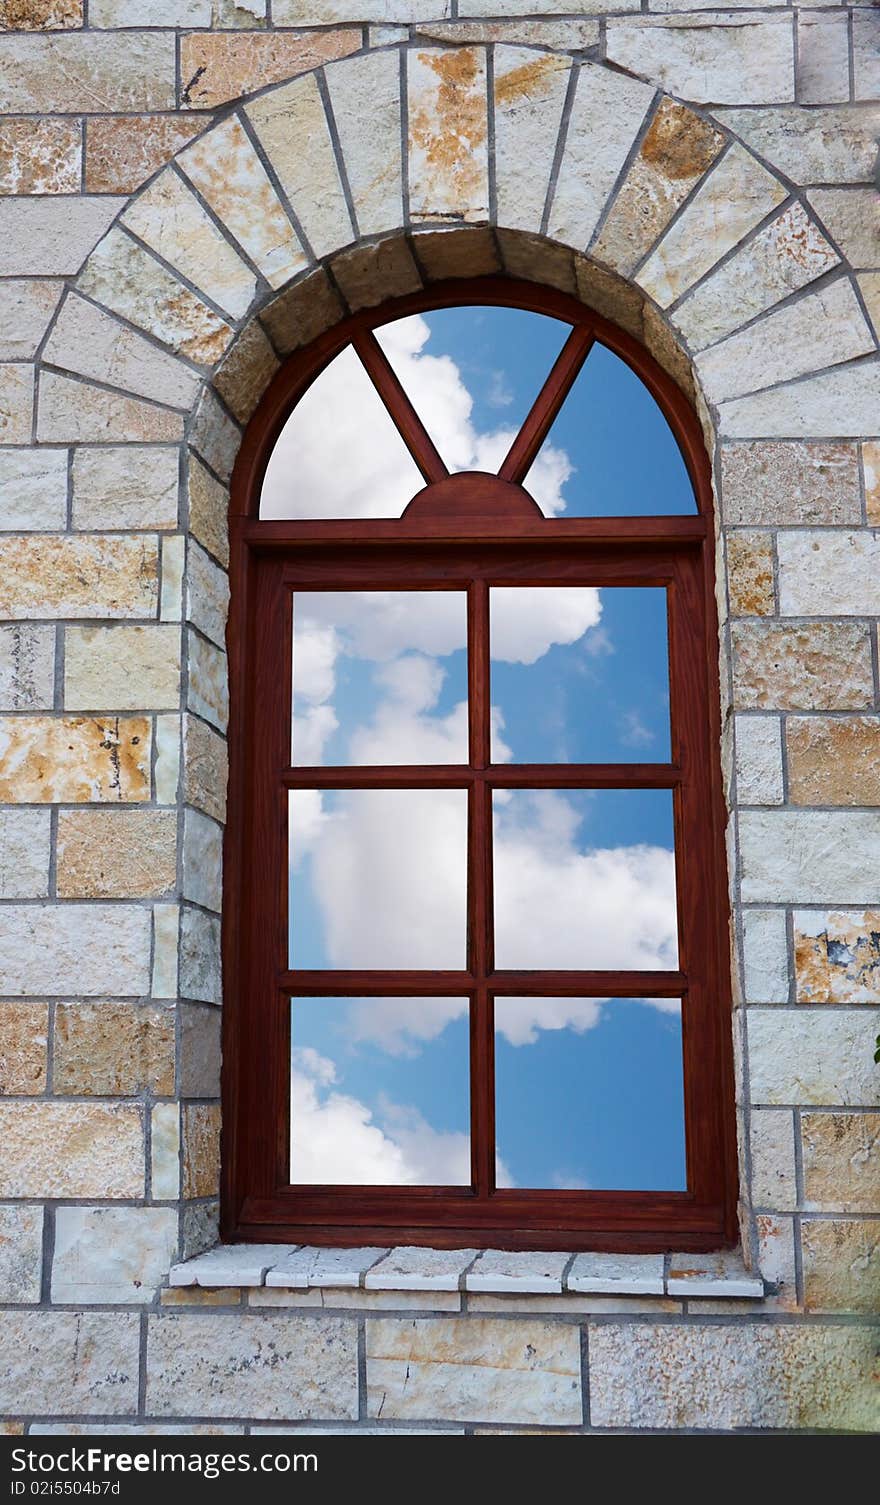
(589,1091)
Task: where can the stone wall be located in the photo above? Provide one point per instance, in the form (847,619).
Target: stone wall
(726,220)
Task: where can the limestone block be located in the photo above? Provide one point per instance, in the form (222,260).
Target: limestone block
(24,1035)
(101,948)
(123,151)
(125,487)
(815,666)
(623,304)
(246,373)
(774,1181)
(765,956)
(118,13)
(165,1152)
(55,1149)
(116,854)
(166,766)
(173,554)
(469,251)
(448,134)
(96,345)
(722,1274)
(200,1226)
(169,218)
(308,1268)
(74,759)
(810,856)
(573,34)
(409,1268)
(369,275)
(454,1368)
(27,667)
(646,1375)
(834,403)
(750,584)
(201,1149)
(125,277)
(327,12)
(40,156)
(261,1366)
(24,854)
(51,237)
(302,313)
(616,1274)
(534,7)
(866,67)
(813,1057)
(837,956)
(87,72)
(678,148)
(208,509)
(816,146)
(214,435)
(111,1254)
(759,760)
(530,92)
(69,1363)
(734,197)
(538,260)
(21,1254)
(852,216)
(208,682)
(199,1051)
(841,1265)
(207,594)
(26,307)
(205,768)
(229,175)
(41,15)
(75,412)
(16,403)
(841,1154)
(777,482)
(368,88)
(720,59)
(202,860)
(218,65)
(501,1270)
(776,1260)
(292,127)
(199,956)
(822,58)
(832,573)
(166,945)
(834,761)
(121,667)
(606,116)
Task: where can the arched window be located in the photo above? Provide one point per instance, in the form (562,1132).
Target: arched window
(476,930)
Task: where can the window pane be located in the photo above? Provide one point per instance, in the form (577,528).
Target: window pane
(589,1094)
(579,675)
(378,878)
(584,879)
(364,1113)
(339,453)
(619,456)
(472,375)
(379,677)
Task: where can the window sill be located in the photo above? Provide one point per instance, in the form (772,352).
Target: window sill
(494,1272)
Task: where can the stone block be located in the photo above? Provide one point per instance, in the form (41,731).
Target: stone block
(368,275)
(841,1260)
(453,251)
(24,1036)
(104,948)
(809,857)
(165,1152)
(852,216)
(74,73)
(202,860)
(27,667)
(199,1051)
(759,760)
(170,219)
(26,307)
(123,151)
(33,490)
(55,1149)
(474,1369)
(833,573)
(166,944)
(617,1274)
(201,1149)
(537,260)
(94,344)
(448,134)
(166,768)
(116,854)
(205,768)
(40,156)
(16,403)
(765,956)
(822,58)
(529,96)
(606,115)
(262,1367)
(69,1363)
(308,1269)
(841,1157)
(837,956)
(173,554)
(51,237)
(215,435)
(111,1049)
(246,373)
(216,66)
(833,760)
(200,956)
(776,483)
(816,666)
(85,576)
(777,1261)
(111,1254)
(125,487)
(125,668)
(208,510)
(813,1057)
(826,145)
(414,1269)
(24,854)
(74,759)
(200,1226)
(722,1275)
(75,412)
(368,88)
(41,15)
(303,312)
(502,1270)
(836,403)
(21,1254)
(207,594)
(740,59)
(574,34)
(750,584)
(774,1180)
(291,124)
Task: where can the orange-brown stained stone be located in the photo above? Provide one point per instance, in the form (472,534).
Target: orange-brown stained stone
(74,759)
(834,761)
(40,156)
(217,66)
(841,1154)
(92,575)
(871,467)
(24,1033)
(841,1262)
(195,1296)
(113,1049)
(40,15)
(448,128)
(837,957)
(201,1149)
(750,574)
(122,152)
(116,854)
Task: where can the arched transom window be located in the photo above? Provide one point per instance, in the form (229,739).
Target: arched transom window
(475,921)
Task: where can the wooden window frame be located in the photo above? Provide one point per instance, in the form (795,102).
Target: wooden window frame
(467,531)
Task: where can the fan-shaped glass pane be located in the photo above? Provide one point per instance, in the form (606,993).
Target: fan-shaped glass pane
(472,375)
(611,452)
(339,453)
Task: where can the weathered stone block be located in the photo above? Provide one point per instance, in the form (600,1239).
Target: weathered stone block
(822,58)
(202,860)
(200,1226)
(368,88)
(172,222)
(207,594)
(448,134)
(122,152)
(16,403)
(113,1049)
(779,483)
(27,667)
(51,237)
(125,487)
(214,435)
(199,1051)
(173,553)
(101,948)
(765,956)
(53,1149)
(24,1036)
(368,275)
(40,15)
(26,307)
(75,412)
(606,115)
(205,768)
(97,576)
(774,1179)
(302,313)
(841,1265)
(809,856)
(24,854)
(69,1363)
(839,402)
(816,666)
(841,1156)
(40,156)
(833,573)
(116,854)
(833,145)
(261,1366)
(246,372)
(208,510)
(813,1057)
(479,1369)
(21,1254)
(530,92)
(750,574)
(777,1261)
(852,217)
(833,760)
(94,344)
(201,1149)
(74,73)
(121,667)
(759,760)
(537,260)
(111,1254)
(165,1153)
(199,956)
(166,769)
(837,956)
(456,251)
(217,66)
(292,126)
(738,59)
(75,759)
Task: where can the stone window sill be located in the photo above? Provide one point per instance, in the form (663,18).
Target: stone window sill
(490,1272)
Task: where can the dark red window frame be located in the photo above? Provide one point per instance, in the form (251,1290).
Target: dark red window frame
(467,532)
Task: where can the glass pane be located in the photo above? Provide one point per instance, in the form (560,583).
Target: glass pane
(378,878)
(589,1094)
(364,1113)
(621,459)
(579,675)
(472,375)
(584,879)
(339,453)
(379,677)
